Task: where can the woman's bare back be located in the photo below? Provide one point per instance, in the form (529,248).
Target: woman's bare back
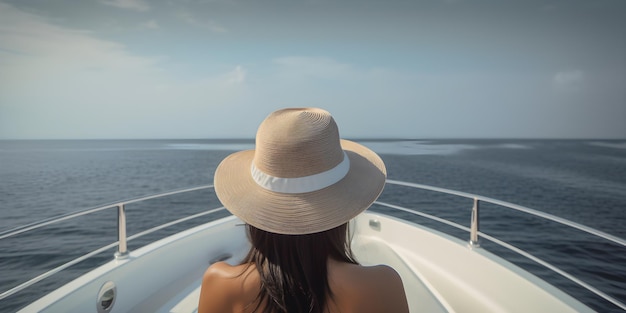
(355,288)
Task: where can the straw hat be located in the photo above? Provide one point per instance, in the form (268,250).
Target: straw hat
(301,178)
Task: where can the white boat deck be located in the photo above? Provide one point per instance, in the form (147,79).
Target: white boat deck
(368,250)
(444,274)
(440,273)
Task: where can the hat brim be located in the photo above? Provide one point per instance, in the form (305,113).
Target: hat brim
(300,213)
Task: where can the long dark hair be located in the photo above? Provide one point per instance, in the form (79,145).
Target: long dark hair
(293,268)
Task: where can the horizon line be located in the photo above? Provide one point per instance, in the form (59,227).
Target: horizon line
(347,138)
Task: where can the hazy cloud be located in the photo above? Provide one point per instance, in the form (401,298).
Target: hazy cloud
(203,23)
(316,67)
(569,80)
(237,76)
(39,45)
(417,74)
(136,5)
(96,87)
(151,24)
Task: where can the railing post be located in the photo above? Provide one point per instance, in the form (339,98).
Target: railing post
(474,225)
(122,249)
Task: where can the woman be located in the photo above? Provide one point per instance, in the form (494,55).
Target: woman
(297,192)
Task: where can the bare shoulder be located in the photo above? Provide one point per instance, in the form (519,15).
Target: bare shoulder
(224,287)
(362,275)
(371,288)
(383,272)
(221,270)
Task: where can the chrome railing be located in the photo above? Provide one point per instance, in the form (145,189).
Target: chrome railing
(544,215)
(474,231)
(122,248)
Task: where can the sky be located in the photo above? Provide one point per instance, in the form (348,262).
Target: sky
(115,69)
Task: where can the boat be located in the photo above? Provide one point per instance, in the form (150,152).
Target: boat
(441,271)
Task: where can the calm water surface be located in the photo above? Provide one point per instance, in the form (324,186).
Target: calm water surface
(584,181)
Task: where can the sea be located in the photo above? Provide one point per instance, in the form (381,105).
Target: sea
(580,180)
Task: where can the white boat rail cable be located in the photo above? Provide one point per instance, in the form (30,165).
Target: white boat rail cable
(513,248)
(79,259)
(516,207)
(121,243)
(56,219)
(473,230)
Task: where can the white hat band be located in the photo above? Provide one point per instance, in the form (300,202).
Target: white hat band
(302,184)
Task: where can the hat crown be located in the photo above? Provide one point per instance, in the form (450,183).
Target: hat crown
(297,142)
(301,178)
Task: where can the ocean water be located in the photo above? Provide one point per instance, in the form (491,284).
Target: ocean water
(581,180)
